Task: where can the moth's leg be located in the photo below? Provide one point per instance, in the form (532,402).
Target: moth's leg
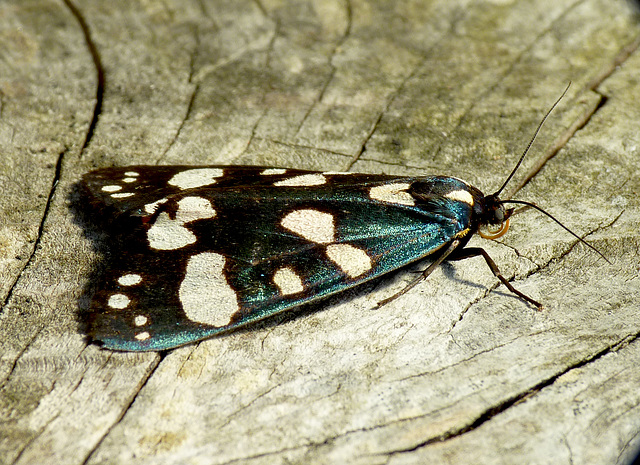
(425,274)
(470,252)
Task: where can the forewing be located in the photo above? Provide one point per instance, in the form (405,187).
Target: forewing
(206,257)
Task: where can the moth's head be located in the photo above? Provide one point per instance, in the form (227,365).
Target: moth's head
(494,222)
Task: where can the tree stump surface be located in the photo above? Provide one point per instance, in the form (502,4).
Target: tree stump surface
(457,370)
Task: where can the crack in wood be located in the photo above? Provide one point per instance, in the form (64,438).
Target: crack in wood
(18,357)
(263,96)
(332,72)
(301,146)
(192,97)
(100,75)
(576,242)
(584,118)
(556,146)
(624,54)
(126,407)
(508,71)
(503,406)
(33,438)
(36,242)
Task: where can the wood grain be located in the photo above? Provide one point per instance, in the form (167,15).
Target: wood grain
(455,371)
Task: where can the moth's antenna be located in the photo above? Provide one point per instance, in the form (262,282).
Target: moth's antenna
(535,134)
(533,205)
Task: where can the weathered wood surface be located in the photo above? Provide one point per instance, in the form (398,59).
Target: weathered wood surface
(452,372)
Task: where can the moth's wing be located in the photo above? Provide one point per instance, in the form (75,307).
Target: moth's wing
(216,257)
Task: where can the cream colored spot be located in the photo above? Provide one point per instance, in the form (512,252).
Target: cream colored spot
(122,195)
(168,234)
(461,196)
(171,234)
(151,207)
(111,188)
(271,171)
(313,225)
(132,173)
(129,279)
(140,320)
(352,260)
(393,193)
(197,177)
(288,281)
(194,208)
(303,180)
(343,173)
(205,294)
(118,301)
(143,336)
(130,179)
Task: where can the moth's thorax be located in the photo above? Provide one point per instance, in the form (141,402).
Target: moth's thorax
(455,202)
(471,207)
(446,186)
(449,189)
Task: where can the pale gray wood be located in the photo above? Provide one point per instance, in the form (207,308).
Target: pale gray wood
(455,371)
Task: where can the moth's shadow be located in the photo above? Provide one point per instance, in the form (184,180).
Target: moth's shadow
(310,308)
(449,271)
(97,227)
(377,284)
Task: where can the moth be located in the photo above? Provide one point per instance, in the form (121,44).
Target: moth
(206,249)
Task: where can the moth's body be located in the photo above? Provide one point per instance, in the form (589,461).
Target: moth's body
(212,248)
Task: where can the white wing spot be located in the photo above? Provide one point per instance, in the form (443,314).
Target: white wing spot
(302,180)
(205,294)
(313,225)
(133,174)
(130,179)
(197,177)
(288,281)
(171,234)
(194,208)
(140,320)
(271,171)
(143,336)
(129,279)
(118,301)
(150,208)
(393,193)
(461,196)
(350,259)
(122,195)
(341,173)
(168,234)
(112,188)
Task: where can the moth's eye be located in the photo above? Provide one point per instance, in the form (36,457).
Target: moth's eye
(498,216)
(494,231)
